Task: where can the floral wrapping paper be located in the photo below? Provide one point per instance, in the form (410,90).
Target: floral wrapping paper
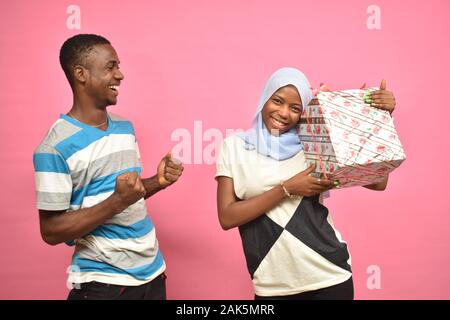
(349,140)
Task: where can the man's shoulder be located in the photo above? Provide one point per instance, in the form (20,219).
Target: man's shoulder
(121,124)
(116,117)
(58,132)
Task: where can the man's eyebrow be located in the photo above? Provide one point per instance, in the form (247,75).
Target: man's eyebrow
(113,61)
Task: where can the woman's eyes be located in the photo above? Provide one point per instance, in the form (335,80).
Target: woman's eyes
(293,108)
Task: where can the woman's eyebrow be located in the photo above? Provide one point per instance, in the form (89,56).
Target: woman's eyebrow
(281,98)
(277,96)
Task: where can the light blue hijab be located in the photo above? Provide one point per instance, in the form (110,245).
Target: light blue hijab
(288,144)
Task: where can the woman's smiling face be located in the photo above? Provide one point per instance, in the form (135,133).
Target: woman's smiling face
(282,111)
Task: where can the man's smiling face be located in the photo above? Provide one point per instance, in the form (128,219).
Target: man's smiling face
(103,76)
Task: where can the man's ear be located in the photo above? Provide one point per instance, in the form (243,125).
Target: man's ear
(80,74)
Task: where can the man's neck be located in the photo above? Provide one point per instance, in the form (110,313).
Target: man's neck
(87,112)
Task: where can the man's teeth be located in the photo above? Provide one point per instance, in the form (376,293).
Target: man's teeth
(114,88)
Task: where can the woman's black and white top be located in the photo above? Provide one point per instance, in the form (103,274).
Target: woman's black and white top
(294,247)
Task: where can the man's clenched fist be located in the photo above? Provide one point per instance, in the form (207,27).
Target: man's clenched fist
(169,170)
(129,189)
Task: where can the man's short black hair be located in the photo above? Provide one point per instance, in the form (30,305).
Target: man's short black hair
(75,50)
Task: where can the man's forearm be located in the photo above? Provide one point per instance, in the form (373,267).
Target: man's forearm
(151,186)
(58,227)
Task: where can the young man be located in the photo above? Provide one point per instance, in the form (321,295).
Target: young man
(88,185)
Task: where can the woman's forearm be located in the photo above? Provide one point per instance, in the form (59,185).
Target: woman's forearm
(380,186)
(240,212)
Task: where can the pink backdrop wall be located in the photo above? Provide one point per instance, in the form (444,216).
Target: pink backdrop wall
(187,61)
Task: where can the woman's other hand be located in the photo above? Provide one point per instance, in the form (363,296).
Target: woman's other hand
(382,99)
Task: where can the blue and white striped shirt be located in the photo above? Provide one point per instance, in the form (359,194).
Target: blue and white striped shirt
(76,166)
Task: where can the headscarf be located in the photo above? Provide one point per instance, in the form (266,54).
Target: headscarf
(285,145)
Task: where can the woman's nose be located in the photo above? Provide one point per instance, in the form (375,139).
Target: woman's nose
(283,111)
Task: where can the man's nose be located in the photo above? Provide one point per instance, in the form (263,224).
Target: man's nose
(119,75)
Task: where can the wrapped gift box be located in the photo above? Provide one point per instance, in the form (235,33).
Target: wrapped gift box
(350,141)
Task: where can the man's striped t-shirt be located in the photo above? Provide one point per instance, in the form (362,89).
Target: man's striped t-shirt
(76,166)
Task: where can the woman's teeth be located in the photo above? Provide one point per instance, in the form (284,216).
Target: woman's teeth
(279,123)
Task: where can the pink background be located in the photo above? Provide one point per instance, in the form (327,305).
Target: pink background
(187,61)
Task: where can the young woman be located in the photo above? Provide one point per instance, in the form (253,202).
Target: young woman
(291,247)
